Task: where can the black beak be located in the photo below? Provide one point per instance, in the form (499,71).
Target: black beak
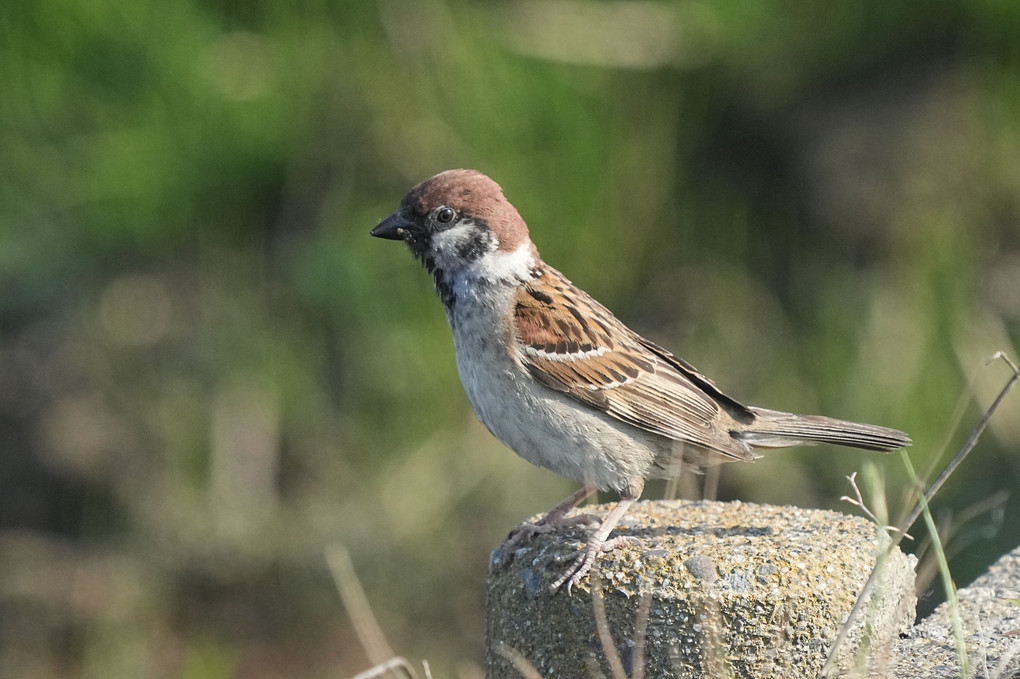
(394,227)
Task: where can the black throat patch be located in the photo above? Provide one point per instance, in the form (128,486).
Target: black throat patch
(473,243)
(443,286)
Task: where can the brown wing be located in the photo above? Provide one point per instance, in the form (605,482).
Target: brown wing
(572,344)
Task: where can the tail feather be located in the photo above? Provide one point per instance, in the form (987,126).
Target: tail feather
(775,429)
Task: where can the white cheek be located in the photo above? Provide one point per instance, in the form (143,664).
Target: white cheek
(503,266)
(492,279)
(493,265)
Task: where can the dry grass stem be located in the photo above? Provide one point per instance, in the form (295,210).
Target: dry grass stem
(710,489)
(598,603)
(954,539)
(520,663)
(830,664)
(395,667)
(640,628)
(365,625)
(947,581)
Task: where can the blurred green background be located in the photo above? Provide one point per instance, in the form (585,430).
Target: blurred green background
(210,374)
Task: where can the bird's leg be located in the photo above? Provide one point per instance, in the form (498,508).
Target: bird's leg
(556,518)
(597,544)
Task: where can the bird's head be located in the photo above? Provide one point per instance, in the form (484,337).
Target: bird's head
(455,221)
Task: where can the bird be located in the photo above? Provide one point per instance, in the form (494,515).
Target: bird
(558,379)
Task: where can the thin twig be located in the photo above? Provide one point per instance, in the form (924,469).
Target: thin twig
(830,662)
(971,441)
(858,502)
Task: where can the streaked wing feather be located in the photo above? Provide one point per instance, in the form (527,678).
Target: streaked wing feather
(574,345)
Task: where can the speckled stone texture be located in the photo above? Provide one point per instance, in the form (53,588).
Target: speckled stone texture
(991,625)
(733,589)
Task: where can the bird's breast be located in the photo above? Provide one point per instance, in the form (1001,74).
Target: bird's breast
(545,427)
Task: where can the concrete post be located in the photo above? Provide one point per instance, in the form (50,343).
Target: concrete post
(728,589)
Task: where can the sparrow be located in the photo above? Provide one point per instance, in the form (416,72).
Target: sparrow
(556,377)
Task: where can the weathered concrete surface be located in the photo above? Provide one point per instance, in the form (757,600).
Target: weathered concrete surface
(734,589)
(991,624)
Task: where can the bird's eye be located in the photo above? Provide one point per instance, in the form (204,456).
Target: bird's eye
(445,215)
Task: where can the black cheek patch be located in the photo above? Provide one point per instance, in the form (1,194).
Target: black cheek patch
(474,245)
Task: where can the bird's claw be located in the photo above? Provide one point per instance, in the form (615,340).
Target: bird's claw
(522,534)
(585,559)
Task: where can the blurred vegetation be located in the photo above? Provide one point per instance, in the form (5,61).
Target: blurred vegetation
(209,373)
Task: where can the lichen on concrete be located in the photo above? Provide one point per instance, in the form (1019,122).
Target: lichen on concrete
(731,588)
